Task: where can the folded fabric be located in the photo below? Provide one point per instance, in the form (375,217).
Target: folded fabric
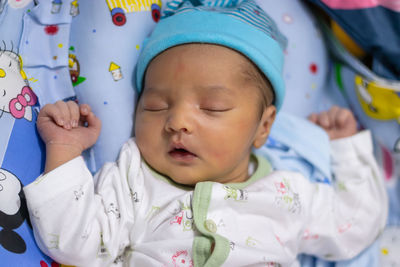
(298,145)
(373,25)
(374,99)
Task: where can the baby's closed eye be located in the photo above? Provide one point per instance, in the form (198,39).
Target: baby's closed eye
(154,104)
(216,108)
(215,105)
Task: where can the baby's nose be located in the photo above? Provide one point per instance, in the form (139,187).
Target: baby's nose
(180,119)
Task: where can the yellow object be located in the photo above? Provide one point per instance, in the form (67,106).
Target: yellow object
(384,251)
(379,101)
(132,5)
(346,41)
(2,73)
(70,63)
(113,66)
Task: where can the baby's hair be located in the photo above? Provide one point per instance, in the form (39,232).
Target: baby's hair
(253,74)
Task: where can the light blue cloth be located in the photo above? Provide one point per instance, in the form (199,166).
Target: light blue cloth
(44,48)
(368,258)
(298,145)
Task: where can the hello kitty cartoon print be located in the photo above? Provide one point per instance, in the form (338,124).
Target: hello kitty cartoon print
(16,97)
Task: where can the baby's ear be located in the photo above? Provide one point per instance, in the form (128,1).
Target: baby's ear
(264,126)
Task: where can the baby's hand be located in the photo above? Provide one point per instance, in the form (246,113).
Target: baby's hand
(337,122)
(65,124)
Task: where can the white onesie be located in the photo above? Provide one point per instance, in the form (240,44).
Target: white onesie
(129,215)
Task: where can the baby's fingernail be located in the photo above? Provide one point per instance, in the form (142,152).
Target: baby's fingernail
(61,122)
(74,124)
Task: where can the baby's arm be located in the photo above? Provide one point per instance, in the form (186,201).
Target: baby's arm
(77,221)
(346,217)
(67,129)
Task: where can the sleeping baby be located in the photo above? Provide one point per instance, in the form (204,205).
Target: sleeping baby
(187,189)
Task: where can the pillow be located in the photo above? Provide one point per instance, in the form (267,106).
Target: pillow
(306,58)
(105,43)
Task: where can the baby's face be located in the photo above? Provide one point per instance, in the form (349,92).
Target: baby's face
(198,118)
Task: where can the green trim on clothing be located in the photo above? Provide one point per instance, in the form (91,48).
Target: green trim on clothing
(202,245)
(263,168)
(210,249)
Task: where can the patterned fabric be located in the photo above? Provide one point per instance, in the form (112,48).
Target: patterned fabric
(128,220)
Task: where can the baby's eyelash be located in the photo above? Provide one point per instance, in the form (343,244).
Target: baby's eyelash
(216,109)
(154,109)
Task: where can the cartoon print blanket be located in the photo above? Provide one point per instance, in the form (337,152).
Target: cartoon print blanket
(71,49)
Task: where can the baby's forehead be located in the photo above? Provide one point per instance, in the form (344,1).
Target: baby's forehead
(200,49)
(214,70)
(209,90)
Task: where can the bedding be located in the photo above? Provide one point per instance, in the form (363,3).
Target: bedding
(73,49)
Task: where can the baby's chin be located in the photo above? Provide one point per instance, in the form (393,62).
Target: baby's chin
(192,179)
(186,179)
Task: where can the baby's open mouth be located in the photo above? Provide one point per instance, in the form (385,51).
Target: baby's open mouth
(181,153)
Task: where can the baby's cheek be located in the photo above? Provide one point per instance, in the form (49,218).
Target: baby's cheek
(223,151)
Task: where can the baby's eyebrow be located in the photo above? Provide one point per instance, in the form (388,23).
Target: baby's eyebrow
(216,89)
(149,89)
(152,91)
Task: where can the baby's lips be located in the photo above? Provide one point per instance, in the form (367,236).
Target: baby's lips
(181,152)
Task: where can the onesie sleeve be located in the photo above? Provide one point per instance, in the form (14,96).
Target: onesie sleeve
(77,222)
(347,217)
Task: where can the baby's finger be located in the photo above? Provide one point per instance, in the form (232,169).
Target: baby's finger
(94,123)
(52,112)
(84,110)
(92,130)
(344,116)
(324,120)
(313,118)
(64,113)
(74,113)
(333,113)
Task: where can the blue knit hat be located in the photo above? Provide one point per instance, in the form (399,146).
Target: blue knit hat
(239,25)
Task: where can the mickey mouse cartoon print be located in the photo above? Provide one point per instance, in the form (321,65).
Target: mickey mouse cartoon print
(16,97)
(13,212)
